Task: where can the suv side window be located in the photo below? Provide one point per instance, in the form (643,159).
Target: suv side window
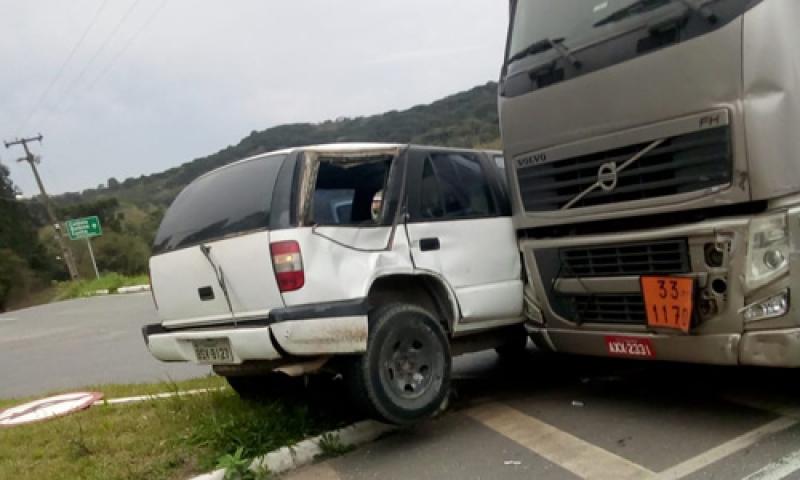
(454,186)
(351,193)
(430,197)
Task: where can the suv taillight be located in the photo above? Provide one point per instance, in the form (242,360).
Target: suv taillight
(288,264)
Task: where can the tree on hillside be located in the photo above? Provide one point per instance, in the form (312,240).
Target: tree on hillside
(21,253)
(465,119)
(17,232)
(125,254)
(16,277)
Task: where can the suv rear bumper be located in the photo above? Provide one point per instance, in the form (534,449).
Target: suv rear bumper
(311,330)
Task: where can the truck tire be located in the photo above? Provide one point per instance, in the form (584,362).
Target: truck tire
(516,348)
(404,376)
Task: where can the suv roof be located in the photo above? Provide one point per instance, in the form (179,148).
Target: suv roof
(356,148)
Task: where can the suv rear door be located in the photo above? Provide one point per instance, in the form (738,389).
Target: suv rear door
(460,228)
(215,240)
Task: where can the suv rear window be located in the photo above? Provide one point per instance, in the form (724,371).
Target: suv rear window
(233,200)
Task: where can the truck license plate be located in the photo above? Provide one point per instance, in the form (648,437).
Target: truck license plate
(630,347)
(213,351)
(668,302)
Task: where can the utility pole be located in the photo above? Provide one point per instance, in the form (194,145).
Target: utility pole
(32,160)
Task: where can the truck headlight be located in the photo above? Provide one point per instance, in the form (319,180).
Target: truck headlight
(767,250)
(773,307)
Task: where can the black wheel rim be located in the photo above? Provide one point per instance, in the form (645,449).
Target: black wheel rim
(411,365)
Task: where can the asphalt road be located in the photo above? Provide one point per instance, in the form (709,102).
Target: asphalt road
(556,417)
(79,343)
(543,416)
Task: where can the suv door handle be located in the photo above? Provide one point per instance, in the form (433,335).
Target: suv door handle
(429,244)
(205,293)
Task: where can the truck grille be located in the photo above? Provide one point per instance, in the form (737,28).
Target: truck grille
(660,257)
(616,309)
(657,257)
(682,164)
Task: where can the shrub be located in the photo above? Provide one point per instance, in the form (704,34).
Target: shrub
(16,277)
(121,254)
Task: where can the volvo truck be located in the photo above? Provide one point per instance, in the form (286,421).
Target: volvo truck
(653,155)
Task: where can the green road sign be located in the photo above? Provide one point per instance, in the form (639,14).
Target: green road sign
(81,228)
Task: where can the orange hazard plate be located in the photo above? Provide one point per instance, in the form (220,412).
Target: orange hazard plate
(668,302)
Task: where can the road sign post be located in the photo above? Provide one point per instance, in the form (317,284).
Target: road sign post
(86,228)
(91,255)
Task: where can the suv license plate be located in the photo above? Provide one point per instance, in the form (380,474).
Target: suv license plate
(213,351)
(668,302)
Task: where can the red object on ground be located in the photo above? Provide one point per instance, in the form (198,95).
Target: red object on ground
(47,408)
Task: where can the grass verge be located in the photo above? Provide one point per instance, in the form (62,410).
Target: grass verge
(170,438)
(85,288)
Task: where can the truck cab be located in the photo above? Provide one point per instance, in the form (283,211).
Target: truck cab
(653,159)
(378,261)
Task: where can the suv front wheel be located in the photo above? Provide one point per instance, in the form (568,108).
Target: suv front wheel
(404,376)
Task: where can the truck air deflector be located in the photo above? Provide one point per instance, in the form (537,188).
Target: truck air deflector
(576,41)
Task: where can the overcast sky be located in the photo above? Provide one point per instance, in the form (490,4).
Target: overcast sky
(156,83)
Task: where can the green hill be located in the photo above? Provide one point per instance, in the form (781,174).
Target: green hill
(465,119)
(131,210)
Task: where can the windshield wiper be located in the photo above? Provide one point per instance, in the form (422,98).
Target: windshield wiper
(703,9)
(642,6)
(220,276)
(544,45)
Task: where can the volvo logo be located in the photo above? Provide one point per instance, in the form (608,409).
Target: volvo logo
(607,176)
(531,160)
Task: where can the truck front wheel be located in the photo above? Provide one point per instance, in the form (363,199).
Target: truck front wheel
(404,376)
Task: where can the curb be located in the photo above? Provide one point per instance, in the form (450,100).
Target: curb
(304,453)
(121,290)
(134,289)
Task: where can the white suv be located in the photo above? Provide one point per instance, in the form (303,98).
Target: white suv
(390,258)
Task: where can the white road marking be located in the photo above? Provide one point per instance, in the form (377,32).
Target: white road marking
(779,469)
(565,450)
(144,398)
(732,446)
(8,319)
(785,407)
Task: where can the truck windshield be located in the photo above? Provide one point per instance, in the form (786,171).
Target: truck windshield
(565,39)
(230,201)
(535,20)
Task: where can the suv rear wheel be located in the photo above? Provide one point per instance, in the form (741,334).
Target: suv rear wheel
(404,376)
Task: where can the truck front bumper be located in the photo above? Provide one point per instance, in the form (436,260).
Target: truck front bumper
(307,331)
(766,348)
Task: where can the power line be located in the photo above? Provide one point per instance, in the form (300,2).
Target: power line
(63,66)
(51,212)
(74,83)
(131,40)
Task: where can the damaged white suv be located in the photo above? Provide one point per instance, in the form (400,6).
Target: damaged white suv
(388,259)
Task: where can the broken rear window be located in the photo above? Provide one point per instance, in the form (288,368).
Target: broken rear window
(349,192)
